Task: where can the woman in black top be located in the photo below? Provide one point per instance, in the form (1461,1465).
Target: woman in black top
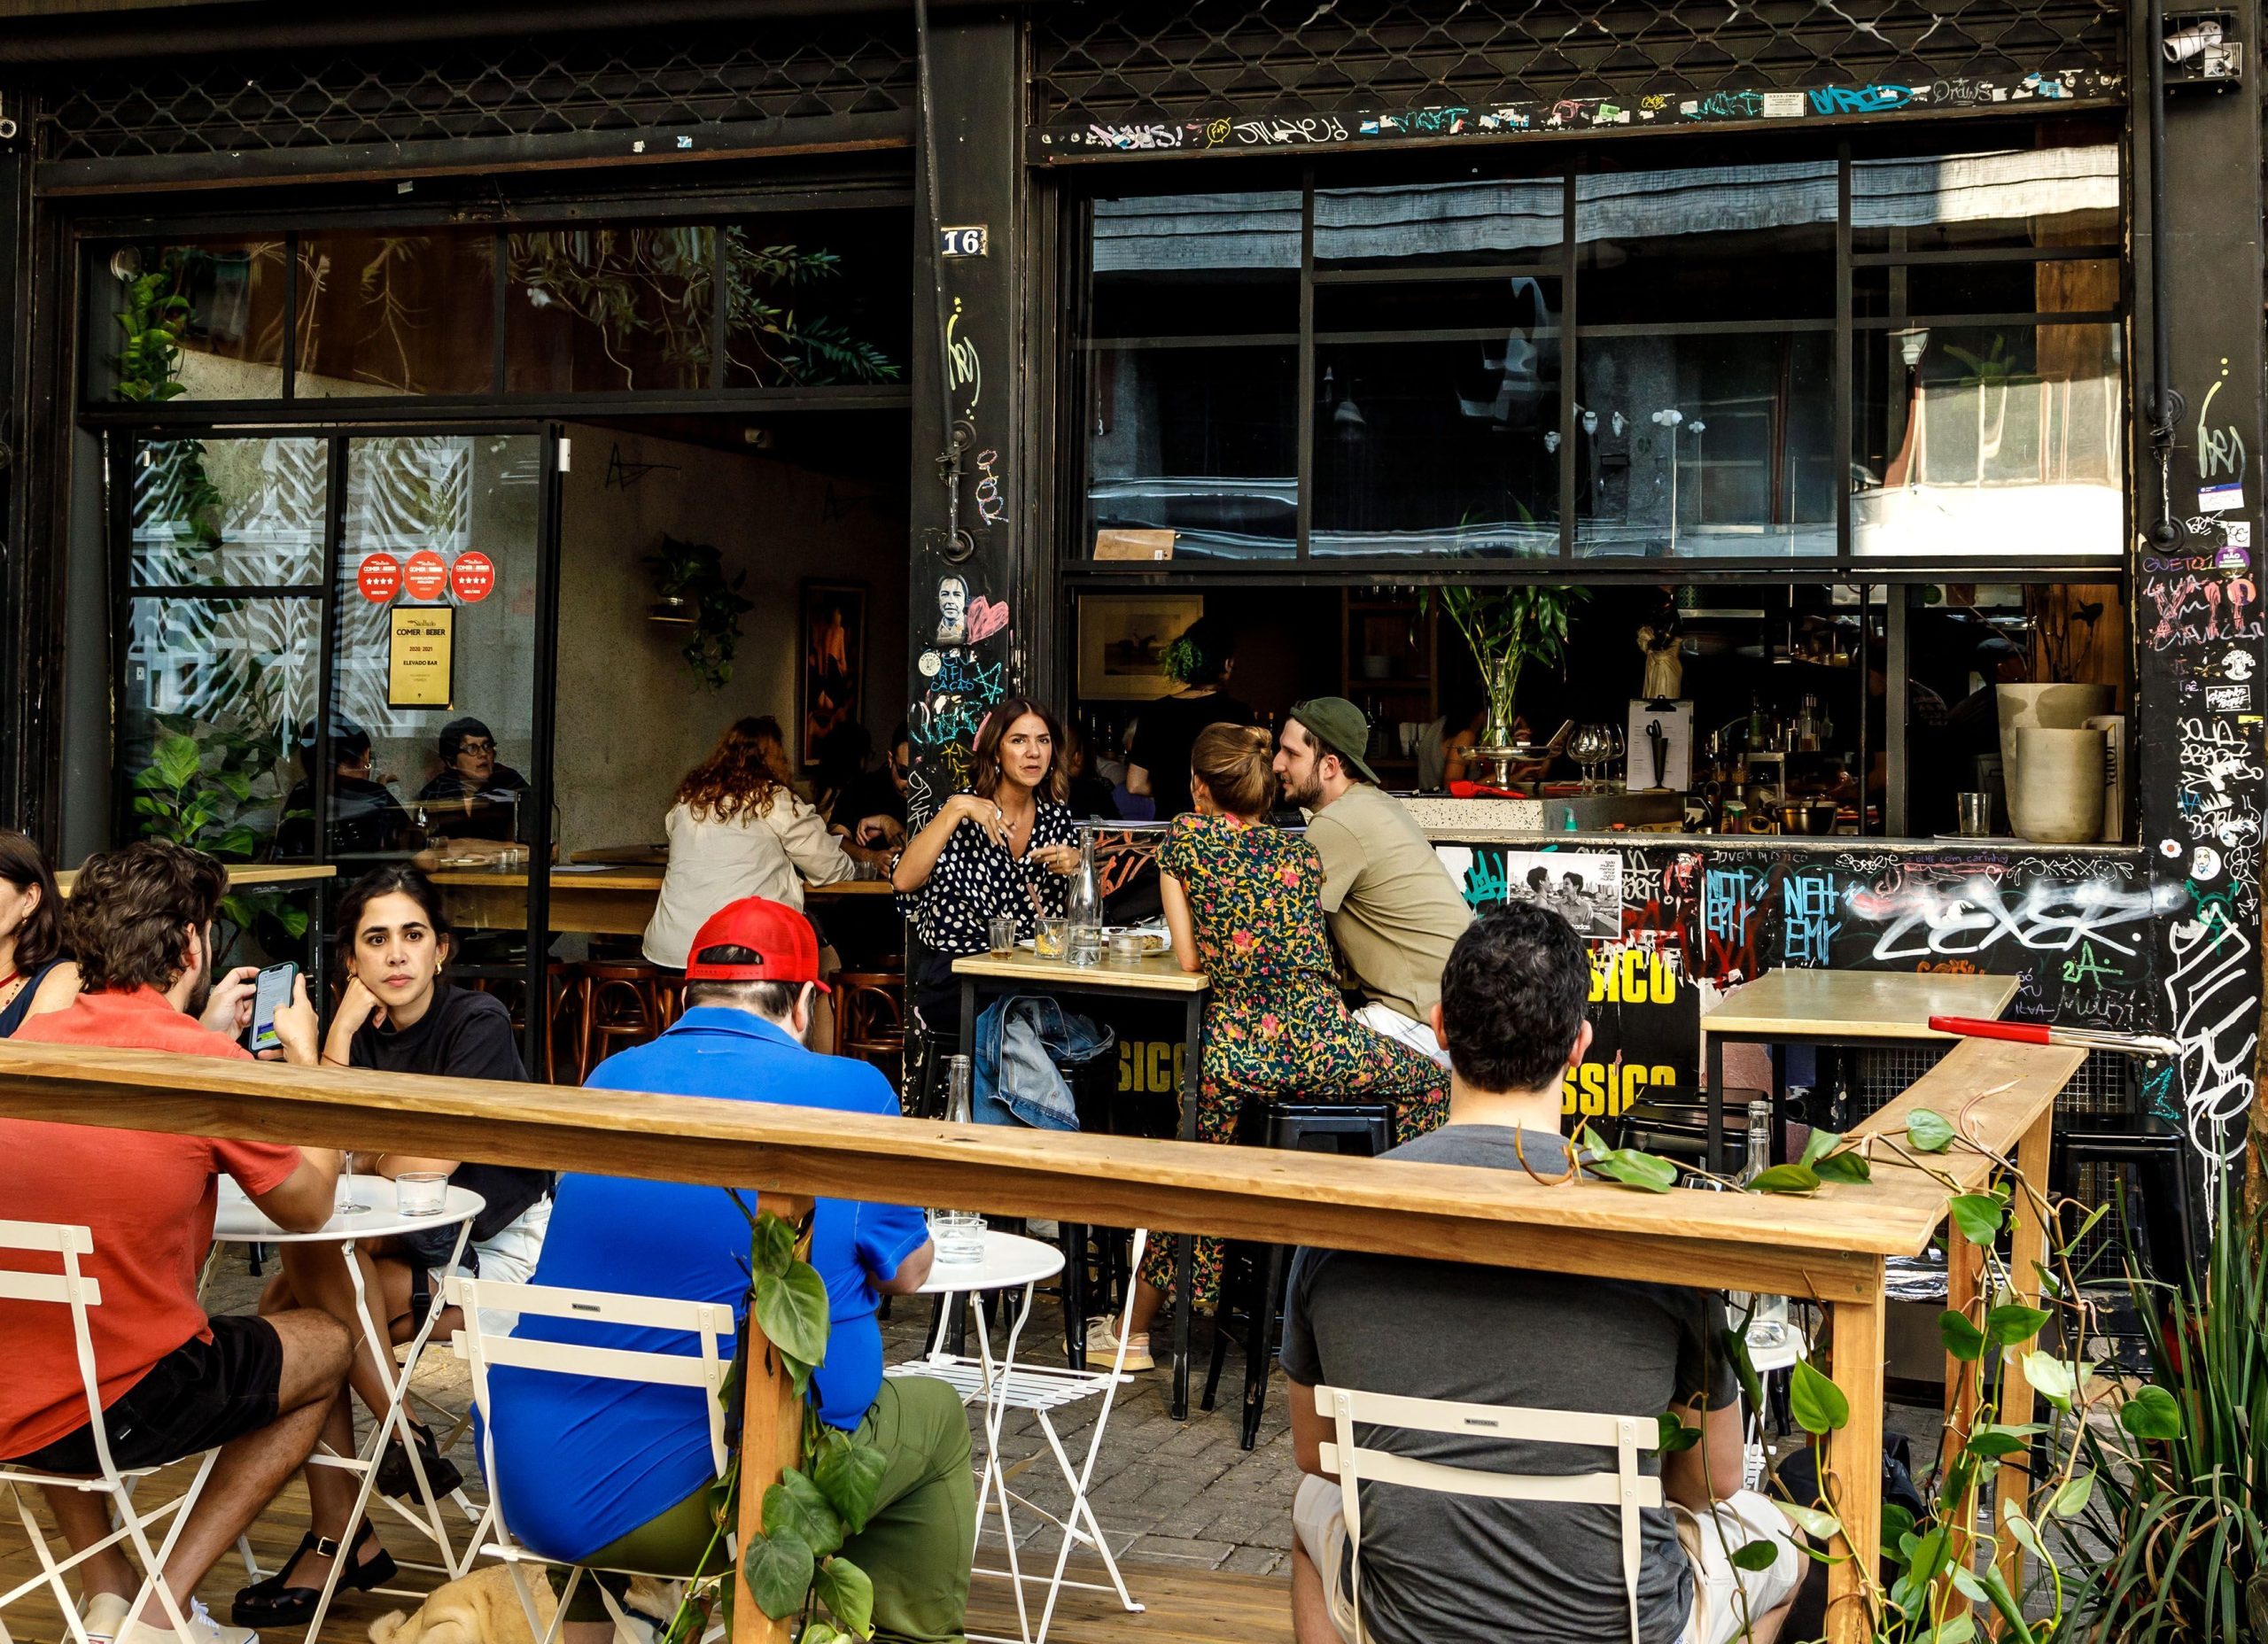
(1157,766)
(474,795)
(397,1016)
(1007,847)
(35,976)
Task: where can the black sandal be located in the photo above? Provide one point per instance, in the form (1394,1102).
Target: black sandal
(273,1603)
(395,1477)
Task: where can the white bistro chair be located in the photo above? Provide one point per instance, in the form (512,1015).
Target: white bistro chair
(1626,1489)
(484,1350)
(1043,1389)
(70,1288)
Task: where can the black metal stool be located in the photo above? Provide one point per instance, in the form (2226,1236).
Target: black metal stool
(2158,1156)
(1364,1129)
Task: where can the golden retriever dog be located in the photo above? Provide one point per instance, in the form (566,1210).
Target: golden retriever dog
(484,1608)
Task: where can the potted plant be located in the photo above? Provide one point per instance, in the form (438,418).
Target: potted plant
(693,591)
(1506,629)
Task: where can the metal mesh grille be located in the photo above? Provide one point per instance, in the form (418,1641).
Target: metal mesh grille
(814,68)
(2104,1083)
(1099,60)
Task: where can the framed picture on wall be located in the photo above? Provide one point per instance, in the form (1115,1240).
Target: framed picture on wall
(1123,638)
(834,663)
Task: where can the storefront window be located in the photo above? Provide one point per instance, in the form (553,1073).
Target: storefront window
(1611,363)
(187,319)
(396,314)
(817,298)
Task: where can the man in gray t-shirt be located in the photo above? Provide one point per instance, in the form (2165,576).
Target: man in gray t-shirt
(1440,1569)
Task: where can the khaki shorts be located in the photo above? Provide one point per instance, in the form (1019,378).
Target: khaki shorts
(1318,1520)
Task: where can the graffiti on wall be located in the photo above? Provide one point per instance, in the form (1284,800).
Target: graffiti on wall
(1450,121)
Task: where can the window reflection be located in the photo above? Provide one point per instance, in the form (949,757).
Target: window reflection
(1700,445)
(817,298)
(1999,441)
(228,512)
(1196,264)
(593,310)
(1419,225)
(2009,200)
(1198,441)
(396,314)
(187,320)
(1707,244)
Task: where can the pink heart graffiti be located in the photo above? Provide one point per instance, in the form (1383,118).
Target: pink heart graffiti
(986,617)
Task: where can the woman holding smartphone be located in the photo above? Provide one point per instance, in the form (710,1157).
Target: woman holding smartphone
(398,1015)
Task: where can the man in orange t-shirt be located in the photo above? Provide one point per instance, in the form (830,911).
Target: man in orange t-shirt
(171,1381)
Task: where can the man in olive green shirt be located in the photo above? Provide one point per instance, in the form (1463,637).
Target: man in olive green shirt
(1394,909)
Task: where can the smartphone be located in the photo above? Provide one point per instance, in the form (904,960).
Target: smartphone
(270,994)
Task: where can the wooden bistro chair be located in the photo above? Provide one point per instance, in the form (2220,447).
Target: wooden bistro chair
(621,1003)
(870,1019)
(1625,1490)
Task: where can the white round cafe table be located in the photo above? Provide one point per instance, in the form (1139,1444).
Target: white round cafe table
(1010,1259)
(237,1220)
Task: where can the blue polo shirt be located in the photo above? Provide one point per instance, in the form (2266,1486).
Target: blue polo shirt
(581,1461)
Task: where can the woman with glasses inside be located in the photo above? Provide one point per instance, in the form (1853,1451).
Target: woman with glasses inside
(1007,846)
(398,1014)
(473,795)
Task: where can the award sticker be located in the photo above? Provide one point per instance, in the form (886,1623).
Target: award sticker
(928,663)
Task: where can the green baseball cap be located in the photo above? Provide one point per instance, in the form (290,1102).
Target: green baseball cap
(1340,726)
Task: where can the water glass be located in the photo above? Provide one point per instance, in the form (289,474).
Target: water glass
(1126,949)
(959,1236)
(1974,815)
(420,1192)
(1085,945)
(1051,937)
(1003,929)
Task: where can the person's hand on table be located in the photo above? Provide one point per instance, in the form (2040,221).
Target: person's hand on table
(880,830)
(229,1010)
(1058,859)
(298,1031)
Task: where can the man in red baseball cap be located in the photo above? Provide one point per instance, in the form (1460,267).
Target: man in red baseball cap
(631,1490)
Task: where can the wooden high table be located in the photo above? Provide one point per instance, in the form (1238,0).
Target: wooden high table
(1159,976)
(1839,1008)
(1828,1248)
(599,900)
(241,875)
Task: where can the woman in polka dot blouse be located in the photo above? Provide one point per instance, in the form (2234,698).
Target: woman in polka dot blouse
(1007,846)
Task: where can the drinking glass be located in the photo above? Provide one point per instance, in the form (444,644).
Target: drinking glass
(348,1205)
(1973,812)
(1003,930)
(420,1192)
(1050,936)
(1085,945)
(959,1236)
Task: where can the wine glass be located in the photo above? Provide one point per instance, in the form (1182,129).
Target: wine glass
(1590,747)
(348,1205)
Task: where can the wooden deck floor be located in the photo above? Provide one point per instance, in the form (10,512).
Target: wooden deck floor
(1183,1605)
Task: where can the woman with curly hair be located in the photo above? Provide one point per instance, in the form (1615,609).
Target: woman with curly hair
(1244,901)
(1157,766)
(737,829)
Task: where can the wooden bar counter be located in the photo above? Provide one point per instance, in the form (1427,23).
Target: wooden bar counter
(1830,1248)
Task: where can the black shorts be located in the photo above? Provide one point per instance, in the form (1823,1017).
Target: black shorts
(196,1397)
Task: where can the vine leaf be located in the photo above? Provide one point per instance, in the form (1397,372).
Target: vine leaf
(1757,1555)
(850,1475)
(2072,1499)
(1789,1179)
(2053,1379)
(1961,1338)
(1676,1435)
(1927,1130)
(2012,1323)
(791,1310)
(777,1569)
(2151,1414)
(848,1592)
(1820,1526)
(795,1506)
(1818,1404)
(1977,1215)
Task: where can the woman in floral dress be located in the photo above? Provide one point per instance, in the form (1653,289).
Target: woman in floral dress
(1243,900)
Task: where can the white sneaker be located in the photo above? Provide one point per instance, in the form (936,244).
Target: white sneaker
(1102,1346)
(202,1630)
(104,1612)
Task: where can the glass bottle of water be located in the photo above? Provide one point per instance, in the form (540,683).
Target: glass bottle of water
(959,1081)
(1084,903)
(1767,1326)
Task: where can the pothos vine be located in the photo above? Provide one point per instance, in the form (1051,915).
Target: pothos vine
(794,1567)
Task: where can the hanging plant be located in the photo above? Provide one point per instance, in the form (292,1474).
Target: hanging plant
(794,1566)
(154,319)
(693,589)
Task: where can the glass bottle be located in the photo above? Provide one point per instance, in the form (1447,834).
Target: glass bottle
(1084,903)
(1767,1323)
(960,1081)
